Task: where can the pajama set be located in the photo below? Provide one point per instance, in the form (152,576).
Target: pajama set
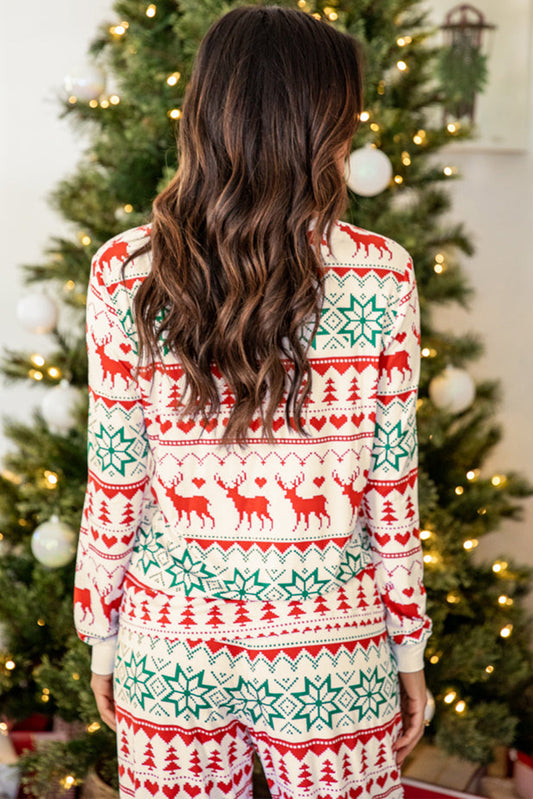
(260,597)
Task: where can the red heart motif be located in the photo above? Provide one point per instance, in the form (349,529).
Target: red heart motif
(338,421)
(186,426)
(170,791)
(237,777)
(126,539)
(382,539)
(192,790)
(401,337)
(209,425)
(372,416)
(318,481)
(369,785)
(255,424)
(394,775)
(382,780)
(166,425)
(318,424)
(209,786)
(121,771)
(402,538)
(408,591)
(355,792)
(260,481)
(125,347)
(198,481)
(153,787)
(357,419)
(277,423)
(109,540)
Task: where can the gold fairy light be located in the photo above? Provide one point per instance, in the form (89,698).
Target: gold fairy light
(41,622)
(173,78)
(425,352)
(452,127)
(375,127)
(151,10)
(75,675)
(114,99)
(406,158)
(470,543)
(460,707)
(104,103)
(499,566)
(35,374)
(398,179)
(453,598)
(93,103)
(69,285)
(489,669)
(498,480)
(54,372)
(449,170)
(316,15)
(506,631)
(10,664)
(37,360)
(94,727)
(402,66)
(51,478)
(174,113)
(472,474)
(425,534)
(450,696)
(73,99)
(365,116)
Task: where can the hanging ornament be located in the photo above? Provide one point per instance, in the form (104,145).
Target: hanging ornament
(85,82)
(53,543)
(37,312)
(453,390)
(368,171)
(429,710)
(58,407)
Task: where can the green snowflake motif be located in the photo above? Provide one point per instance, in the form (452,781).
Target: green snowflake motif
(187,693)
(390,446)
(240,587)
(364,320)
(321,329)
(318,702)
(136,679)
(113,450)
(147,544)
(369,693)
(302,587)
(189,573)
(253,701)
(350,567)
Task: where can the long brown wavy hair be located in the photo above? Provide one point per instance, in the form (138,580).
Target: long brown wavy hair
(274,99)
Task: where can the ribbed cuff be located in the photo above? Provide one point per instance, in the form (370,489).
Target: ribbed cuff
(409,657)
(103,656)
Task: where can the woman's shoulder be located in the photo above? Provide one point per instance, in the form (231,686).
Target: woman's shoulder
(108,262)
(358,247)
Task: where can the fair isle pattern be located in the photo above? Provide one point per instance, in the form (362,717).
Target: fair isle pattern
(311,685)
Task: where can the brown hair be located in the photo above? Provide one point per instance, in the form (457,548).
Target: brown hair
(274,99)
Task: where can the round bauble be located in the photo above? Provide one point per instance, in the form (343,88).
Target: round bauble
(368,171)
(58,407)
(53,543)
(429,710)
(453,390)
(85,82)
(37,312)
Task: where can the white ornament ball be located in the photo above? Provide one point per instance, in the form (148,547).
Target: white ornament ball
(37,312)
(53,543)
(453,390)
(429,710)
(85,82)
(368,171)
(58,407)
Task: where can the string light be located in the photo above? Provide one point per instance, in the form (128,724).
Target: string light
(75,675)
(482,511)
(375,127)
(439,268)
(398,179)
(38,360)
(302,3)
(41,622)
(316,15)
(94,727)
(381,87)
(10,665)
(459,490)
(425,534)
(453,598)
(174,113)
(54,372)
(425,352)
(450,696)
(434,659)
(119,30)
(330,13)
(498,480)
(114,99)
(69,285)
(402,66)
(104,103)
(93,103)
(460,707)
(68,781)
(35,374)
(406,158)
(505,600)
(420,137)
(430,559)
(72,99)
(499,565)
(173,78)
(151,10)
(489,669)
(3,727)
(506,631)
(470,543)
(449,170)
(453,127)
(365,116)
(472,474)
(403,40)
(51,478)
(45,698)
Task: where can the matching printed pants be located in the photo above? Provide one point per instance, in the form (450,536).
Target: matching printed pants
(309,684)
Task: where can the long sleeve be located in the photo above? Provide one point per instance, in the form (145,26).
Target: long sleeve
(118,463)
(390,503)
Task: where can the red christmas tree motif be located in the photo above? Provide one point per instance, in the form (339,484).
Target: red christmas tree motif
(268,612)
(124,748)
(128,516)
(382,755)
(174,397)
(282,771)
(228,398)
(320,604)
(410,511)
(327,773)
(346,767)
(232,753)
(330,396)
(343,601)
(354,390)
(214,763)
(364,760)
(104,515)
(215,616)
(361,597)
(187,617)
(145,611)
(296,608)
(388,512)
(163,617)
(304,777)
(242,616)
(149,756)
(194,764)
(171,760)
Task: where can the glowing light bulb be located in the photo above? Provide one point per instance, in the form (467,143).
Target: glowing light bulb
(93,103)
(38,360)
(452,127)
(426,352)
(374,126)
(402,66)
(365,116)
(41,622)
(459,490)
(489,669)
(470,543)
(114,99)
(73,99)
(472,474)
(398,179)
(151,10)
(417,139)
(35,374)
(448,170)
(460,707)
(173,78)
(104,103)
(53,371)
(450,696)
(174,113)
(406,158)
(425,534)
(439,269)
(69,285)
(51,479)
(453,598)
(506,631)
(75,675)
(434,659)
(94,727)
(10,665)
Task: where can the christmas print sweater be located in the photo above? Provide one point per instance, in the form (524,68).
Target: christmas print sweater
(294,519)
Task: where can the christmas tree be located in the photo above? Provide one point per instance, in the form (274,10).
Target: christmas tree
(478,663)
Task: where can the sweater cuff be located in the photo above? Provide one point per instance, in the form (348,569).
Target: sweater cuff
(409,657)
(103,656)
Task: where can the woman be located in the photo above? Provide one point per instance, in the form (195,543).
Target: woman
(249,572)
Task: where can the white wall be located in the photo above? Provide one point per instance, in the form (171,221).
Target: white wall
(42,41)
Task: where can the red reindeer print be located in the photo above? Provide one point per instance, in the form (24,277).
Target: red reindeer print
(111,607)
(399,360)
(110,366)
(409,610)
(355,497)
(82,596)
(245,506)
(304,506)
(365,239)
(185,506)
(119,249)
